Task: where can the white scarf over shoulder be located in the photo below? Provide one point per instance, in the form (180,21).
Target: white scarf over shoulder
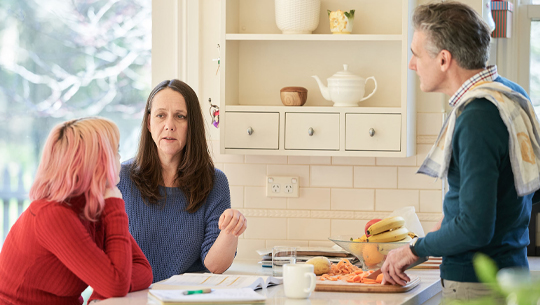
(520,119)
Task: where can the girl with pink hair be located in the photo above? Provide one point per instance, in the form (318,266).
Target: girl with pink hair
(75,232)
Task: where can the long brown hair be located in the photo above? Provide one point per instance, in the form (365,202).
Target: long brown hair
(195,173)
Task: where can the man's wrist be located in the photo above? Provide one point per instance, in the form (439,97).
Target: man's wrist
(412,243)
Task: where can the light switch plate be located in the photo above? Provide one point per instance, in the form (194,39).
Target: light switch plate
(281,186)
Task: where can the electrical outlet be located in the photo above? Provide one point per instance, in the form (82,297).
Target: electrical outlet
(279,186)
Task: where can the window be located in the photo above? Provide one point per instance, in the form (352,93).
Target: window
(61,60)
(535,66)
(528,21)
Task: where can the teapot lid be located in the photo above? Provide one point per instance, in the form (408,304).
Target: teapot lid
(345,75)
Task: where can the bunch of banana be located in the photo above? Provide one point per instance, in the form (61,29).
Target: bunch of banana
(388,230)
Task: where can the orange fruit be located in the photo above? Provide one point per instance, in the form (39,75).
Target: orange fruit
(371,254)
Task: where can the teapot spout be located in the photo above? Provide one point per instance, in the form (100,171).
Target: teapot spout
(324,90)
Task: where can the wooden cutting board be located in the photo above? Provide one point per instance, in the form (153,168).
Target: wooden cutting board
(343,286)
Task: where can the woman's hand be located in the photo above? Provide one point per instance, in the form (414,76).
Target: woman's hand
(232,222)
(112,192)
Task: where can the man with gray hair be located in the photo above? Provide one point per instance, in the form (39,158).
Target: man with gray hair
(486,151)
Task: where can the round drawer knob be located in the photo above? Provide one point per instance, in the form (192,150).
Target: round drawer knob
(249,130)
(371,132)
(310,131)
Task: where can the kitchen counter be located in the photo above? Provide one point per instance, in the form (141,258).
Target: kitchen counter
(428,290)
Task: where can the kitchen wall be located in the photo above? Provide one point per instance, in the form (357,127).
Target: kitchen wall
(338,195)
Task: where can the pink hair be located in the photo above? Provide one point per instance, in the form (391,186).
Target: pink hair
(79,157)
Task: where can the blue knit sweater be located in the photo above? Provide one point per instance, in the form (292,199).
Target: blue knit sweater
(482,211)
(173,240)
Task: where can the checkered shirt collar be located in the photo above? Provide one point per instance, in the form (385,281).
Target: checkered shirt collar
(487,75)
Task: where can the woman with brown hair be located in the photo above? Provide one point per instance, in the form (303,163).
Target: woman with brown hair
(177,202)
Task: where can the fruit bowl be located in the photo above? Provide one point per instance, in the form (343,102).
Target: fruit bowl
(371,255)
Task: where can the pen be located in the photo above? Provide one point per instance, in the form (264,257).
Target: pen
(188,292)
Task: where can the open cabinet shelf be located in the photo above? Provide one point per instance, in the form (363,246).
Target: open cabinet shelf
(257,61)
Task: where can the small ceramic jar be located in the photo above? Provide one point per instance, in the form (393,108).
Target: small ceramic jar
(341,22)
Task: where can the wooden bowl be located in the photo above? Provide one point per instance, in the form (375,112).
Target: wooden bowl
(293,96)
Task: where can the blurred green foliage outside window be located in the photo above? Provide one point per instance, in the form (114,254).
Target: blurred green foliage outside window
(61,60)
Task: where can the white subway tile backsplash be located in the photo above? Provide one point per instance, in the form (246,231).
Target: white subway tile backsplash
(409,161)
(247,248)
(349,228)
(321,243)
(332,176)
(308,229)
(255,198)
(301,171)
(431,201)
(217,157)
(390,200)
(428,225)
(375,177)
(428,123)
(333,214)
(246,174)
(237,196)
(291,243)
(421,152)
(309,160)
(266,159)
(338,195)
(353,161)
(289,213)
(409,179)
(310,199)
(352,199)
(266,228)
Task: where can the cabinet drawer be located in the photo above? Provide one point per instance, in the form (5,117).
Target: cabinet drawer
(264,129)
(325,127)
(385,135)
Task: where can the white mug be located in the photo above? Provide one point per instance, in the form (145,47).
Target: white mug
(298,280)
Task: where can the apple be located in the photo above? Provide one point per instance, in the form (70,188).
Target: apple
(369,223)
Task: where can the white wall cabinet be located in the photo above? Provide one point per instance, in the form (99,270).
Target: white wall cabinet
(257,61)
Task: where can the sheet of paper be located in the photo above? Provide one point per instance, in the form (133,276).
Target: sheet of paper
(220,295)
(211,281)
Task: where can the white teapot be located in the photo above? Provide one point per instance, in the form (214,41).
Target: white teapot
(345,89)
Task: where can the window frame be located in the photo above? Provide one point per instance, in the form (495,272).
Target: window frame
(526,14)
(175,41)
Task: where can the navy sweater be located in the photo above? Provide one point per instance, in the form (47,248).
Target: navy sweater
(482,211)
(173,240)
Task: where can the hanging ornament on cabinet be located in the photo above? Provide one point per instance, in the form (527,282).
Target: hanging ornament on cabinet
(214,113)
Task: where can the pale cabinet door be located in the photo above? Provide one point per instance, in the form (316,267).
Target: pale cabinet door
(312,131)
(256,130)
(373,132)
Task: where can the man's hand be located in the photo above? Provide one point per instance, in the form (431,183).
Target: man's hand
(233,222)
(394,266)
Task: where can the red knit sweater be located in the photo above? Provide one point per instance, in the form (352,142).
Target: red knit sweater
(51,255)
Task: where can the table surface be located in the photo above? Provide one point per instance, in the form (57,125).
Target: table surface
(429,286)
